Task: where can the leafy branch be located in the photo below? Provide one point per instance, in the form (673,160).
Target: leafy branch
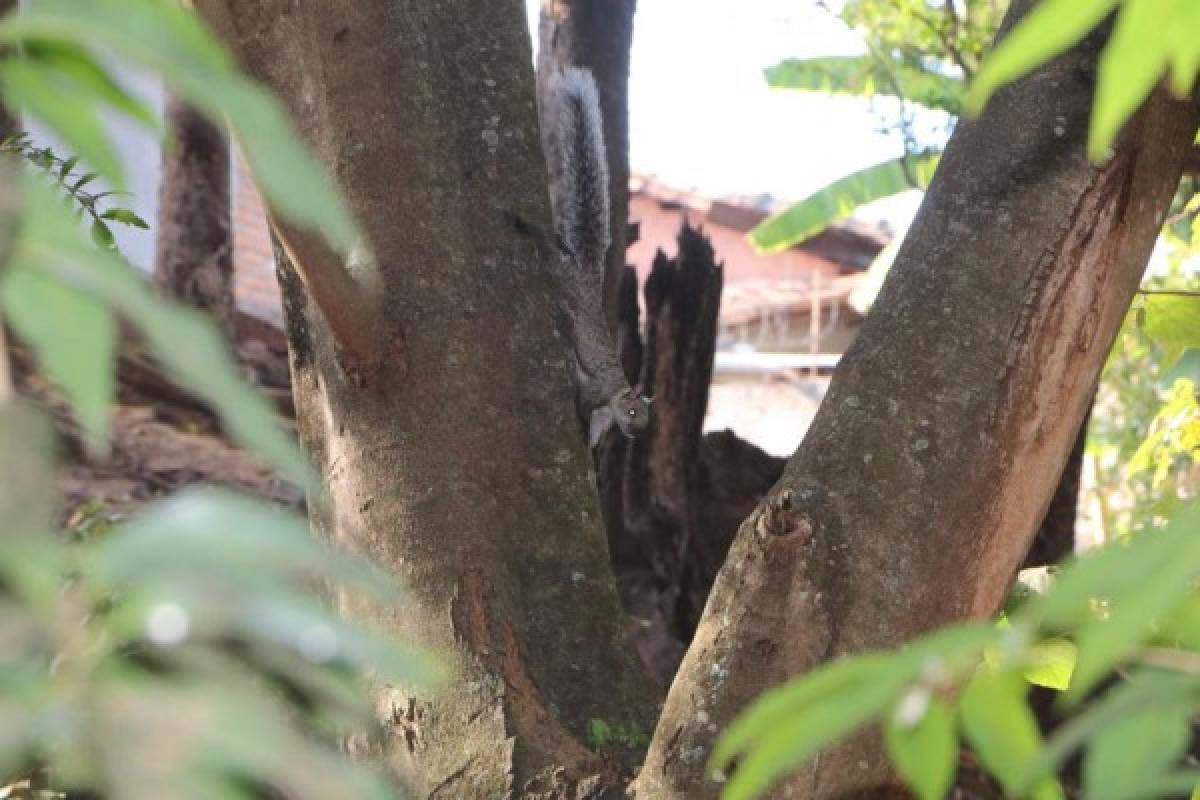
(74,182)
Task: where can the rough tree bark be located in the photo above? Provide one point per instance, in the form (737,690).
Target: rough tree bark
(1055,537)
(650,485)
(455,462)
(194,244)
(596,34)
(683,299)
(916,492)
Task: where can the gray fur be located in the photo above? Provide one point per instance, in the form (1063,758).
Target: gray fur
(581,199)
(580,196)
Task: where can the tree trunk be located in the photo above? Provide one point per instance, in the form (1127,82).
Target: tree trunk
(194,246)
(916,493)
(650,485)
(457,464)
(596,34)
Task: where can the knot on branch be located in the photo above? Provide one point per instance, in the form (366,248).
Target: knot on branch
(780,517)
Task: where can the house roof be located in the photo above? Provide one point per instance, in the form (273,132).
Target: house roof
(847,241)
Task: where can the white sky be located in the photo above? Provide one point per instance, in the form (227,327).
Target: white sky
(701,115)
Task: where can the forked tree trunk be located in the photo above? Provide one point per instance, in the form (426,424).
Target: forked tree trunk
(458,463)
(597,34)
(194,244)
(916,492)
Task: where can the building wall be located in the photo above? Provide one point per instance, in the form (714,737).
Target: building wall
(788,332)
(772,327)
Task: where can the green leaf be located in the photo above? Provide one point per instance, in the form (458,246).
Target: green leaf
(1145,690)
(1051,27)
(65,168)
(868,75)
(233,564)
(184,341)
(925,753)
(72,115)
(787,745)
(1184,48)
(1174,431)
(599,734)
(1139,749)
(125,217)
(789,724)
(77,65)
(1133,610)
(1119,568)
(1002,729)
(84,180)
(233,733)
(102,235)
(1051,663)
(1182,628)
(1172,320)
(75,341)
(172,42)
(839,200)
(778,705)
(1131,64)
(238,537)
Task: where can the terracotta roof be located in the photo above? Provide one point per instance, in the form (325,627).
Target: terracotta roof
(846,241)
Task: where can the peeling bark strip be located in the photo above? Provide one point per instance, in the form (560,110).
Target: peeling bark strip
(462,472)
(194,247)
(595,34)
(1055,538)
(946,428)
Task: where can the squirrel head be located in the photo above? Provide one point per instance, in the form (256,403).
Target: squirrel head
(630,411)
(626,409)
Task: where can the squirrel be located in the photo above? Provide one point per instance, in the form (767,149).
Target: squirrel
(579,197)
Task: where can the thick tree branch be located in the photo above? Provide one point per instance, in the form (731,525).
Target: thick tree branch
(461,470)
(1193,162)
(915,494)
(350,312)
(194,243)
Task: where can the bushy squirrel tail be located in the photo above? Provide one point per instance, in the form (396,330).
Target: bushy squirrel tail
(581,201)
